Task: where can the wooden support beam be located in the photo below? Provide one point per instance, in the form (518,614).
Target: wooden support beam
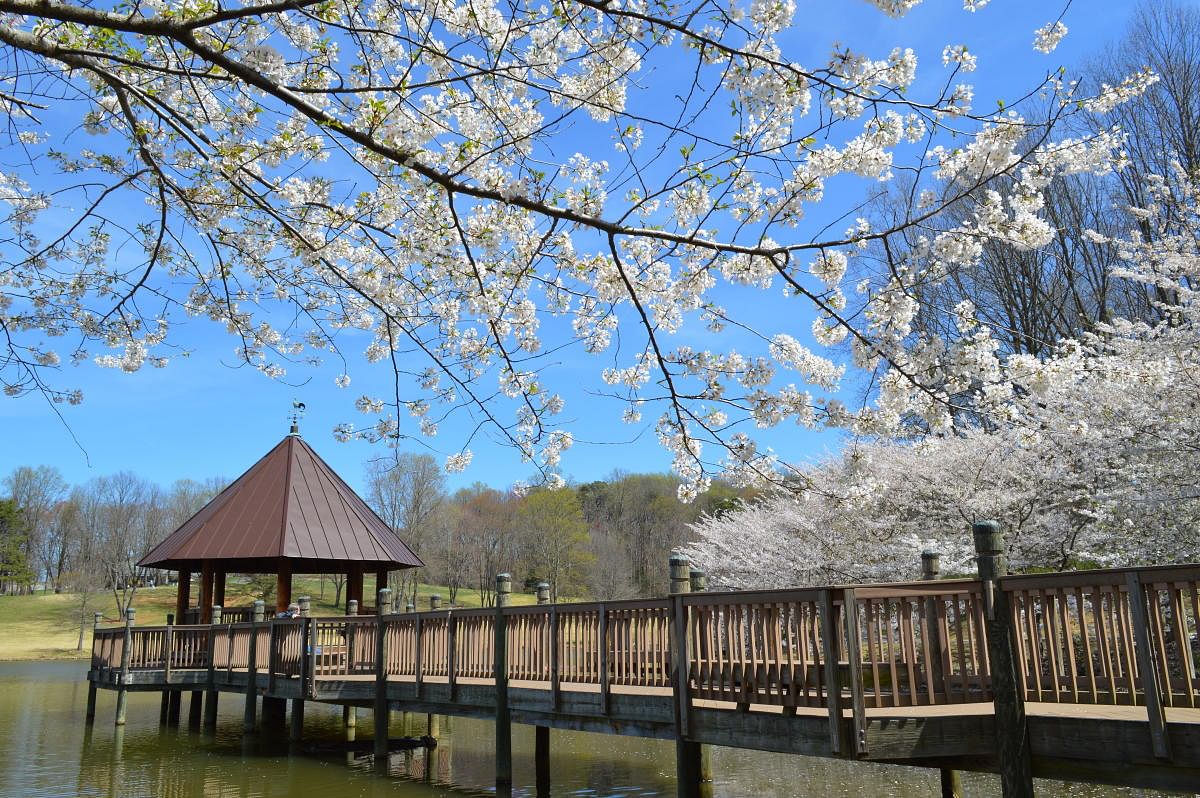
(219,587)
(183,597)
(382,711)
(207,573)
(176,705)
(831,675)
(1012,727)
(354,583)
(296,732)
(500,669)
(283,585)
(931,569)
(195,709)
(210,701)
(541,760)
(1147,667)
(693,764)
(858,705)
(248,713)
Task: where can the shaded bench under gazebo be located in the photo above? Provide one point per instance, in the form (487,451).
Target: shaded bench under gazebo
(289,514)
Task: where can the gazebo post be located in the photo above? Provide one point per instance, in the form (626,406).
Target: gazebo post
(354,583)
(283,585)
(183,595)
(219,588)
(206,591)
(381,580)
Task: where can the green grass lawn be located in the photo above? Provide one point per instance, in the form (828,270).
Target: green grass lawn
(46,625)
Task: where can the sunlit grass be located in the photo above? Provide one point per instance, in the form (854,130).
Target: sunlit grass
(46,625)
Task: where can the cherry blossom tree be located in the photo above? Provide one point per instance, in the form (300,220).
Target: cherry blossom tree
(481,187)
(1092,461)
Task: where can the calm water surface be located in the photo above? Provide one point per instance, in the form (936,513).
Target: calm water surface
(48,751)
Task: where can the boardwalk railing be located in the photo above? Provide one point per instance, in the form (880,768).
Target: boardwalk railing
(1080,638)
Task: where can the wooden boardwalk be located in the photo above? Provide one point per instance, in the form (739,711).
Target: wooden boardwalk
(1105,669)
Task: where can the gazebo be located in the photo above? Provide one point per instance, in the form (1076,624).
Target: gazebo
(290,513)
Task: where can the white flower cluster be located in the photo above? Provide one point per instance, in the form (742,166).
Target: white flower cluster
(1047,37)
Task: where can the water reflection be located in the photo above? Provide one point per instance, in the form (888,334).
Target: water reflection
(50,752)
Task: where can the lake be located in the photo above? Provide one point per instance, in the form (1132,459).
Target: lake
(48,751)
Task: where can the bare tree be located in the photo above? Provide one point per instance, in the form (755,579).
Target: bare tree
(37,491)
(407,491)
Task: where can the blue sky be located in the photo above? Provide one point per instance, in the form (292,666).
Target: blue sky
(203,416)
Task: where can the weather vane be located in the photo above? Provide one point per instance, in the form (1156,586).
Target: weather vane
(296,414)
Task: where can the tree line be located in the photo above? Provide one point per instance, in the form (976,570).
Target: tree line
(603,539)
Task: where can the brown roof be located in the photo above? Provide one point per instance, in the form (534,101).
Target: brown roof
(290,504)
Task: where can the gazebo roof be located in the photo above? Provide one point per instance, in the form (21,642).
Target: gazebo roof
(290,505)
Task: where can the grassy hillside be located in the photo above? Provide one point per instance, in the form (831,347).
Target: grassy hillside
(46,626)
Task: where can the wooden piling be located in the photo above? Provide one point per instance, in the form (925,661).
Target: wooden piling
(256,621)
(541,759)
(699,584)
(274,713)
(541,748)
(122,692)
(195,709)
(349,715)
(210,699)
(91,699)
(381,712)
(164,707)
(173,711)
(500,666)
(690,767)
(432,722)
(1012,729)
(296,730)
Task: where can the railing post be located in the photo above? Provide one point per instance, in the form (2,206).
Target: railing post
(435,602)
(699,580)
(858,707)
(541,734)
(122,691)
(832,675)
(1147,669)
(383,604)
(164,709)
(452,654)
(349,714)
(554,658)
(418,657)
(168,647)
(308,658)
(1012,729)
(603,665)
(210,697)
(931,570)
(691,767)
(250,711)
(500,668)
